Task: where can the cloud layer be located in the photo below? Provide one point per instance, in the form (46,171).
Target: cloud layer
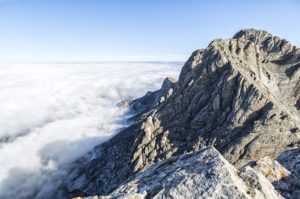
(52,114)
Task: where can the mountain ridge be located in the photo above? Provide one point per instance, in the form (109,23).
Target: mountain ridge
(240,95)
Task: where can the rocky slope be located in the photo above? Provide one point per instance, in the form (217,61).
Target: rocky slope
(240,95)
(203,173)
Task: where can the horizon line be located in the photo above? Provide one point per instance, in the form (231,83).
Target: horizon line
(92,62)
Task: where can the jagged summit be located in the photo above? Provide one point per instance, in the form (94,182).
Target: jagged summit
(267,41)
(252,33)
(240,95)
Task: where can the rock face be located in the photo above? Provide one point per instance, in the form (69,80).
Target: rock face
(240,95)
(290,185)
(203,173)
(271,169)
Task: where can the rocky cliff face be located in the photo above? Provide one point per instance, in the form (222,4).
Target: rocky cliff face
(240,95)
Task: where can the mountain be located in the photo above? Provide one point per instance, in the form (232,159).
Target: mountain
(239,95)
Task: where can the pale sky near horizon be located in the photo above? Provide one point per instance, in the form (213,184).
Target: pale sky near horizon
(133,30)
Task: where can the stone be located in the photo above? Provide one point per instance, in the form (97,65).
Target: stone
(243,100)
(290,185)
(202,174)
(216,103)
(271,169)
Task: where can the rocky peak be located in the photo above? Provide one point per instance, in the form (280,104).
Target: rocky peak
(252,34)
(168,83)
(240,95)
(193,61)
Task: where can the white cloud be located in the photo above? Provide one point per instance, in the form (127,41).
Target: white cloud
(53,114)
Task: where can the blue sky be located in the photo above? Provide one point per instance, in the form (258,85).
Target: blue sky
(132,30)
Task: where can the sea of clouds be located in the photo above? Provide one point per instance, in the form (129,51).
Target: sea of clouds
(52,114)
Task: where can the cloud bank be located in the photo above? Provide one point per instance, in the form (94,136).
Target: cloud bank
(52,114)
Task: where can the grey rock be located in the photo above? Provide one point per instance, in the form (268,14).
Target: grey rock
(271,169)
(240,95)
(144,104)
(285,182)
(290,159)
(202,174)
(216,103)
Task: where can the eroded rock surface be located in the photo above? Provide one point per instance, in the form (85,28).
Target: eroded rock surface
(203,173)
(290,185)
(240,95)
